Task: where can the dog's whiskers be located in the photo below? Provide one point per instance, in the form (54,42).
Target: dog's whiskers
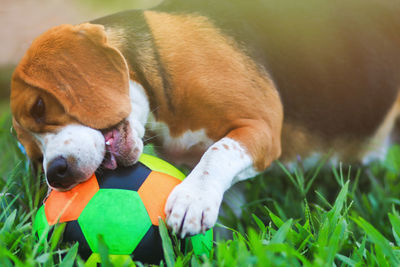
(117,154)
(152,137)
(158,127)
(156,108)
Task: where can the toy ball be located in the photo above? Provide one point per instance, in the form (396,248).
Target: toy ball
(123,206)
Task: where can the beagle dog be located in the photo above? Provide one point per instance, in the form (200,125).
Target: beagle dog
(225,87)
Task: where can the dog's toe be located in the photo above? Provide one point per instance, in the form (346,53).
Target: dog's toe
(191,210)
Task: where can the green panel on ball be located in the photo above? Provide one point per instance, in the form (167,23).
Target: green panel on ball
(119,216)
(40,224)
(202,243)
(160,165)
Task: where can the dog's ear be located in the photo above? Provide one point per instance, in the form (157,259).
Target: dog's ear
(84,73)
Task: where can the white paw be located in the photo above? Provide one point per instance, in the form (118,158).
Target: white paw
(192,209)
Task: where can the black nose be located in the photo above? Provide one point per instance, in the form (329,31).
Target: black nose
(58,173)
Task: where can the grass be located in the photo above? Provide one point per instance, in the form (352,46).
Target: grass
(315,216)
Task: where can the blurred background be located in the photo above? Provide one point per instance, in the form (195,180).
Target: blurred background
(23,20)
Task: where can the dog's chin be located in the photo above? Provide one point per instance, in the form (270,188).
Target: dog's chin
(71,183)
(123,147)
(62,189)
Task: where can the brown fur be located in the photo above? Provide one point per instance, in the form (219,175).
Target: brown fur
(201,61)
(22,102)
(58,62)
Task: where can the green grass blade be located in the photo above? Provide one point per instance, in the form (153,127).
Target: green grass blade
(56,236)
(359,253)
(259,223)
(8,256)
(275,219)
(346,260)
(284,248)
(103,251)
(69,259)
(339,203)
(282,233)
(317,170)
(395,221)
(380,257)
(378,239)
(288,174)
(168,249)
(336,238)
(9,222)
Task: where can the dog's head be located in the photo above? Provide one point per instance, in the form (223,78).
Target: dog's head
(70,103)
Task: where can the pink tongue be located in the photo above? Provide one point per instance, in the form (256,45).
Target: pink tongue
(111,138)
(109,135)
(110,162)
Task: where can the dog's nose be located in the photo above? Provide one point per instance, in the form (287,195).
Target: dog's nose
(58,173)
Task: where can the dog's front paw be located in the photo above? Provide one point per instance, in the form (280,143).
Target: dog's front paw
(192,209)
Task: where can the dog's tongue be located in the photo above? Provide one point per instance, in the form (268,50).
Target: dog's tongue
(110,162)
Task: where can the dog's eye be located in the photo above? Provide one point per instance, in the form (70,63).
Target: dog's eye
(38,110)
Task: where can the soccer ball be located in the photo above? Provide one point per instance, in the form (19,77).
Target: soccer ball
(123,206)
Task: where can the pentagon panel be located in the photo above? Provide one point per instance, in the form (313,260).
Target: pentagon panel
(67,206)
(150,248)
(73,233)
(129,178)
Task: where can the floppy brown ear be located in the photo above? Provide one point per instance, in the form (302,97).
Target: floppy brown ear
(85,74)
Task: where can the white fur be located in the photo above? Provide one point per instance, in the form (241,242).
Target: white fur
(180,150)
(379,143)
(140,108)
(139,113)
(193,205)
(84,144)
(186,140)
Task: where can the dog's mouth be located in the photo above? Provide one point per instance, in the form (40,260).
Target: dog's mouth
(122,146)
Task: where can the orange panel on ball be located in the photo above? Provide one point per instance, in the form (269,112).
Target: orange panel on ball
(67,206)
(154,193)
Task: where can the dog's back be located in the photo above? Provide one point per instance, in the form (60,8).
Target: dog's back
(338,50)
(335,64)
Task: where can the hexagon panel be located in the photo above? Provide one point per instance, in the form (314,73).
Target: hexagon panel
(154,193)
(119,216)
(159,165)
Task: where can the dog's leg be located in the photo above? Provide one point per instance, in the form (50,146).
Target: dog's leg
(193,205)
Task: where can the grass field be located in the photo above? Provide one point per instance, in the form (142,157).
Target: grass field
(319,216)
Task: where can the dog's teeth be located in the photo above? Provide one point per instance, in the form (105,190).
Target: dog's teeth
(108,143)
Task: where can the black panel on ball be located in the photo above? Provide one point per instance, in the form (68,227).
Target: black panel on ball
(150,248)
(129,178)
(73,233)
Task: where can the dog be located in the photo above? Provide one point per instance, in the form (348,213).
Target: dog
(224,87)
